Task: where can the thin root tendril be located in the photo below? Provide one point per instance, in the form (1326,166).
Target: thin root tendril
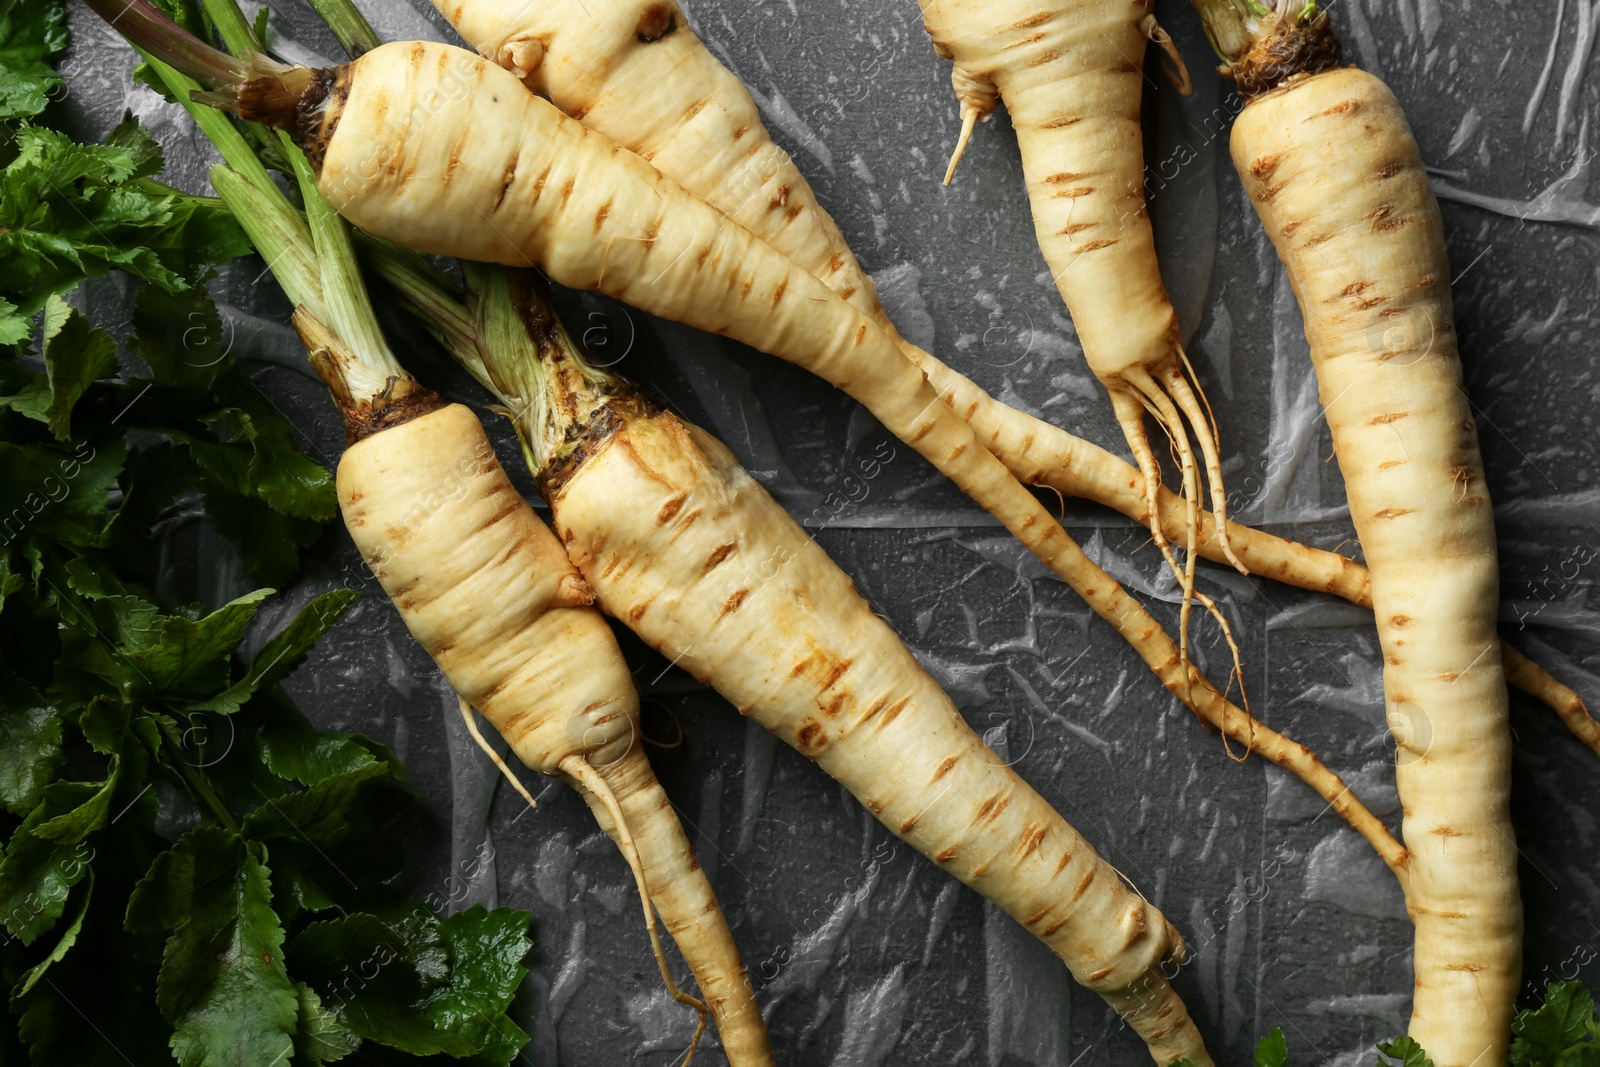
(586,776)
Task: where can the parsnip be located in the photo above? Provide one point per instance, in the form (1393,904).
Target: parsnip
(1070,73)
(1331,167)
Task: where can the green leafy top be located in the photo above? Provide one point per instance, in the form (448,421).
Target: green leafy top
(72,211)
(68,212)
(1562,1032)
(33,33)
(171,823)
(1405,1050)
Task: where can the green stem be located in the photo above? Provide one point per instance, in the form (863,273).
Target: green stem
(279,234)
(217,127)
(151,31)
(489,338)
(364,374)
(427,293)
(344,291)
(318,260)
(199,788)
(541,376)
(235,30)
(510,354)
(349,25)
(431,296)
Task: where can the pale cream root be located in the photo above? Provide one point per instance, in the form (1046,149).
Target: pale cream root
(488,591)
(705,566)
(1070,73)
(1331,167)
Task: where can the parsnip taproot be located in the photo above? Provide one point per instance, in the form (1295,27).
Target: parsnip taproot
(487,590)
(1331,166)
(1071,74)
(698,125)
(484,586)
(688,550)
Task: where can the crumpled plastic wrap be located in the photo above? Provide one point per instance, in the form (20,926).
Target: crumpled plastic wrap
(862,952)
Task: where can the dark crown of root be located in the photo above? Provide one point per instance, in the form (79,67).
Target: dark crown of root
(401,400)
(587,437)
(1290,49)
(412,402)
(304,102)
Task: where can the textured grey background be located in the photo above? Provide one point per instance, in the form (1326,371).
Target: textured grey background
(863,953)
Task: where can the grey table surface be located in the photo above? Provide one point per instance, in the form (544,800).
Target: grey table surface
(862,952)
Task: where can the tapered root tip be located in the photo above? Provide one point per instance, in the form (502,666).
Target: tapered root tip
(494,757)
(1184,385)
(580,771)
(969,121)
(1540,684)
(1178,72)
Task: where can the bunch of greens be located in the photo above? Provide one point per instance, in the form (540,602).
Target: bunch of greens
(188,869)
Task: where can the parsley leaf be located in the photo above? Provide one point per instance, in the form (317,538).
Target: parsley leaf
(75,355)
(291,749)
(354,816)
(30,744)
(320,1037)
(32,34)
(180,336)
(71,211)
(1404,1049)
(71,827)
(69,937)
(486,953)
(1561,1032)
(22,390)
(58,493)
(422,985)
(36,874)
(222,984)
(1272,1050)
(176,659)
(285,652)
